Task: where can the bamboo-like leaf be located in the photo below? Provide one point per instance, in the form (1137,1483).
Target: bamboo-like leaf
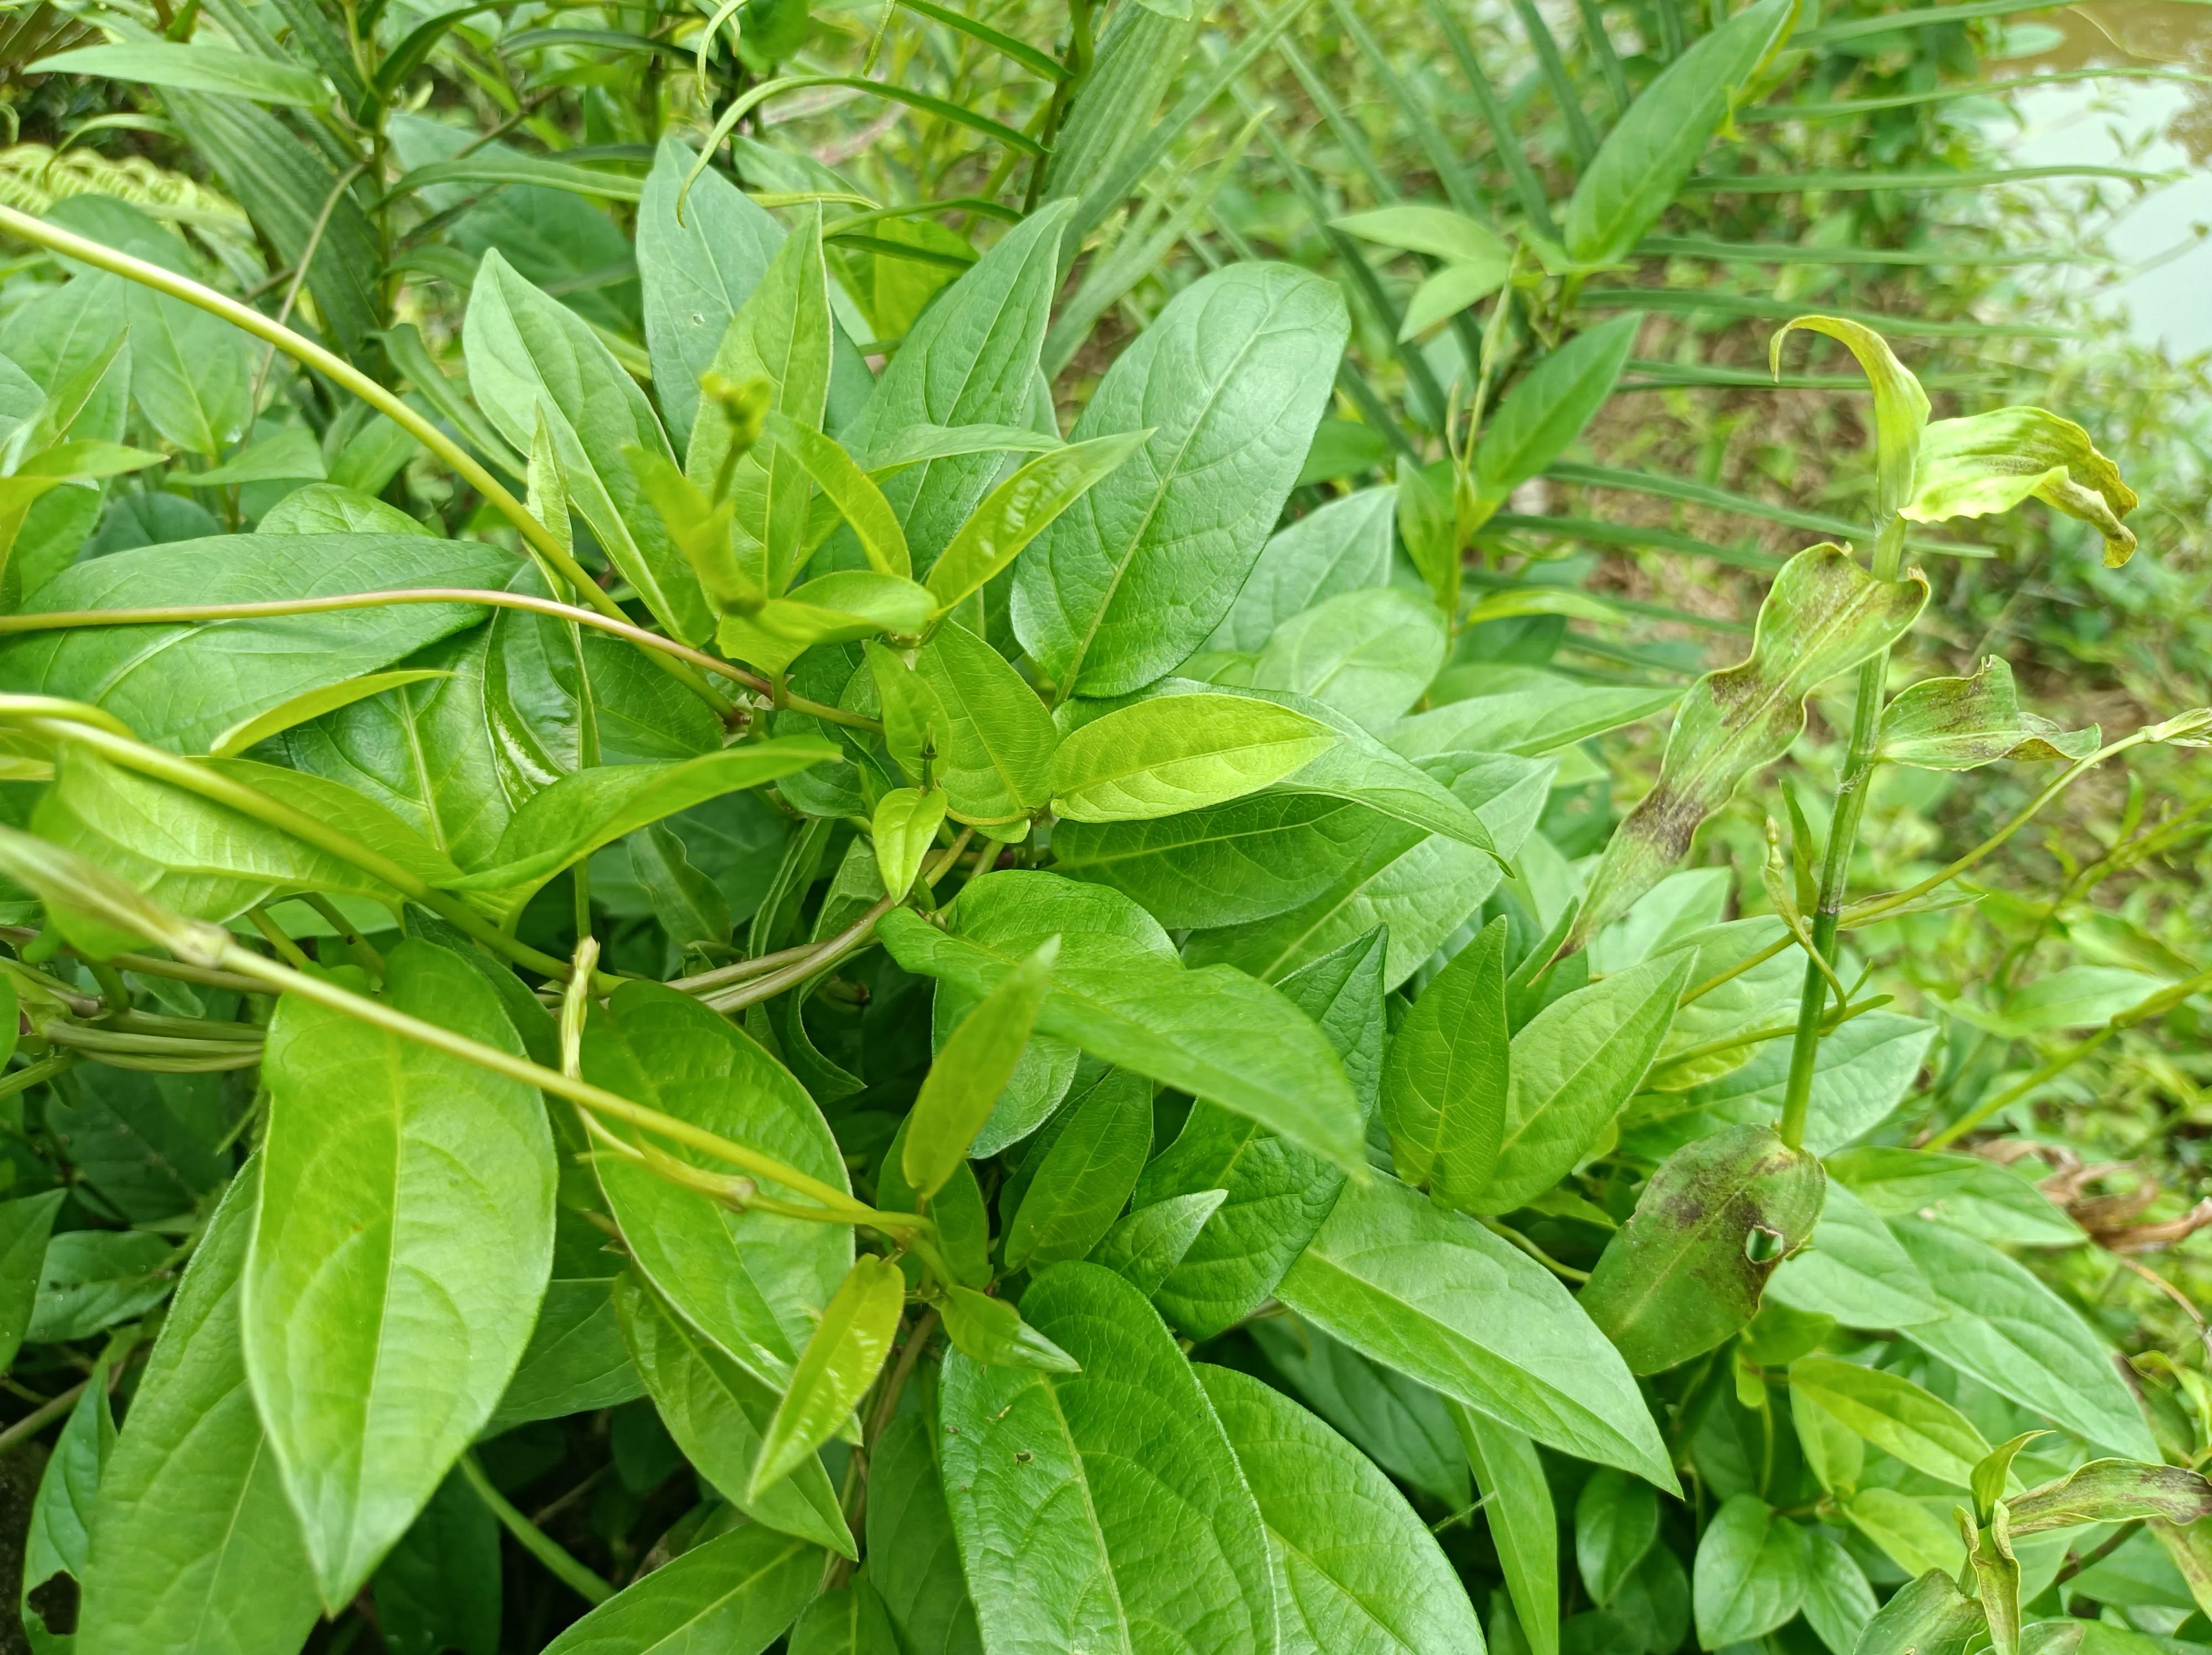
(1823,615)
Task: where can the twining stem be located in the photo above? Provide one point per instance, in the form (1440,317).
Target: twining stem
(1836,864)
(558,1562)
(340,372)
(618,625)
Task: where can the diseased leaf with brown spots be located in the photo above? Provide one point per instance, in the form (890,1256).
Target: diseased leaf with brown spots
(1823,615)
(1959,724)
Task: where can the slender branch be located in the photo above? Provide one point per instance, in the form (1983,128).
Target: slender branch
(617,625)
(305,351)
(44,1414)
(556,1558)
(31,1073)
(300,271)
(146,965)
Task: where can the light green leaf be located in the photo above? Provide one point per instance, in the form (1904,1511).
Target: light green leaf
(1445,1084)
(1855,1271)
(834,1371)
(527,352)
(1341,547)
(1078,1189)
(752,1282)
(180,686)
(1964,1191)
(1911,1531)
(1232,376)
(1688,1270)
(1524,1527)
(1274,1195)
(569,820)
(1551,713)
(717,1413)
(991,1332)
(994,750)
(1416,227)
(905,829)
(385,1309)
(287,457)
(1446,294)
(1367,653)
(1963,723)
(1147,1243)
(834,608)
(313,704)
(1991,462)
(1751,1571)
(2012,1332)
(329,509)
(1926,1616)
(1549,408)
(1061,1485)
(195,67)
(195,1546)
(1900,406)
(1174,753)
(1894,1415)
(851,490)
(1360,1572)
(734,1595)
(1021,507)
(970,1070)
(1215,1033)
(1823,615)
(1440,1299)
(1838,1602)
(1573,1067)
(1640,166)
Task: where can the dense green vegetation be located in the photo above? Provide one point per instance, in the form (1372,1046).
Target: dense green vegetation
(1298,826)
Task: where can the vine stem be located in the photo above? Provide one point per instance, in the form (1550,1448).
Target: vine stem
(340,372)
(559,1562)
(617,625)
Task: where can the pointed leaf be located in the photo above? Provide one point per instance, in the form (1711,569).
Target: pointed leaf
(840,1362)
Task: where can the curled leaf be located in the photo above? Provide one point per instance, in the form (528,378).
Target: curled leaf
(1991,462)
(1961,723)
(1900,406)
(2113,1491)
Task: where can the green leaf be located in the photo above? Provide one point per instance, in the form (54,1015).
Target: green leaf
(847,1620)
(834,1369)
(734,1595)
(1400,1424)
(913,1558)
(195,1545)
(696,270)
(1215,1033)
(971,359)
(1548,409)
(834,608)
(1416,227)
(994,750)
(2015,1336)
(1855,1271)
(1360,768)
(1523,1528)
(1963,723)
(970,1070)
(1147,1243)
(197,68)
(386,1308)
(529,357)
(1900,406)
(181,685)
(1908,1530)
(439,1588)
(851,490)
(752,1282)
(1445,1085)
(1061,1486)
(1232,376)
(26,1223)
(248,732)
(1370,654)
(782,334)
(905,830)
(991,1332)
(1838,1602)
(1362,1572)
(1894,1415)
(1174,753)
(1440,1299)
(94,1278)
(1024,507)
(1341,547)
(286,457)
(2113,1491)
(1964,1191)
(1275,1195)
(1688,1270)
(1446,294)
(567,821)
(1616,1522)
(1926,1616)
(1823,615)
(1078,1189)
(718,1413)
(1991,462)
(1751,1571)
(59,1537)
(576,1362)
(1572,1068)
(1642,164)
